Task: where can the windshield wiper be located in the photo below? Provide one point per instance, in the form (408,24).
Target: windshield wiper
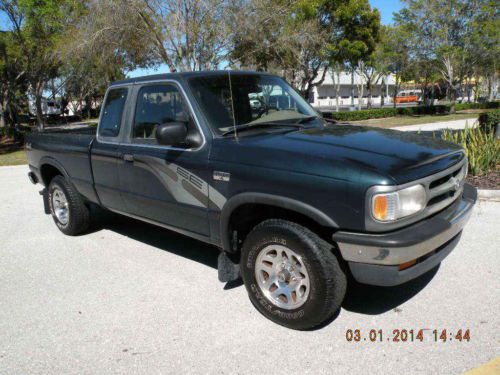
(258,125)
(306,119)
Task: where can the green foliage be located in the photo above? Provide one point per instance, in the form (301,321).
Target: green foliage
(489,120)
(482,148)
(366,114)
(442,109)
(456,39)
(354,29)
(486,105)
(301,41)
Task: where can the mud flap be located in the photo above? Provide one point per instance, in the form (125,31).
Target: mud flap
(228,269)
(45,195)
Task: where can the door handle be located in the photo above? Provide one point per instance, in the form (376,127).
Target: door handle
(128,158)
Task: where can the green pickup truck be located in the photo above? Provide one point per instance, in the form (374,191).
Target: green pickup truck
(240,161)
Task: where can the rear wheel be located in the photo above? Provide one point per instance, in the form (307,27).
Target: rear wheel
(291,275)
(67,207)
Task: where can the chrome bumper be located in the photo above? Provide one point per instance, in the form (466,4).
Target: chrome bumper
(410,243)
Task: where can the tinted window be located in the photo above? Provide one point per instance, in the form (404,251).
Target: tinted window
(157,105)
(247,99)
(112,113)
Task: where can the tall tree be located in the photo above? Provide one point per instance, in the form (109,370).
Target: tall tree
(484,46)
(12,79)
(303,38)
(36,26)
(440,31)
(183,34)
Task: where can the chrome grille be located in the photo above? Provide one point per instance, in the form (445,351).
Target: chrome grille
(442,189)
(445,187)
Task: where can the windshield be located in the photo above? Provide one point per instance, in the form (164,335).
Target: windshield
(256,99)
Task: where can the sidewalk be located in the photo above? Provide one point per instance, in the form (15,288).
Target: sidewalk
(455,125)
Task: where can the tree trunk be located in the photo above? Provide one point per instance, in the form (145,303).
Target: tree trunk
(382,93)
(360,95)
(369,91)
(452,101)
(492,87)
(396,88)
(337,98)
(469,80)
(352,90)
(39,86)
(88,106)
(2,117)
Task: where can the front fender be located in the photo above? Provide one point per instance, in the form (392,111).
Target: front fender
(270,200)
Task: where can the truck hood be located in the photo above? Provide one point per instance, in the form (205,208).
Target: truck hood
(338,151)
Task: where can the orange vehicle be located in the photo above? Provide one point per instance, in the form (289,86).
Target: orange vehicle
(406,96)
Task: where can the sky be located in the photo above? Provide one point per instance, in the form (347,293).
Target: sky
(386,8)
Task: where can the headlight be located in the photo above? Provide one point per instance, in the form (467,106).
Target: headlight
(398,204)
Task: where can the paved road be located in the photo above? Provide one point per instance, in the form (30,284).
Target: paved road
(131,298)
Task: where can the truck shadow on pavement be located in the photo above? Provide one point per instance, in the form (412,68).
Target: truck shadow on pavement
(360,298)
(156,236)
(373,300)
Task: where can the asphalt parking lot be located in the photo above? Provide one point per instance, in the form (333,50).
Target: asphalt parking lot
(132,298)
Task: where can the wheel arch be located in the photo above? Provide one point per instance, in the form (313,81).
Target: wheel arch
(268,204)
(49,168)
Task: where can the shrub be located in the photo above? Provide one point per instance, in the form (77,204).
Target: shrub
(364,114)
(482,148)
(7,131)
(441,109)
(489,120)
(486,105)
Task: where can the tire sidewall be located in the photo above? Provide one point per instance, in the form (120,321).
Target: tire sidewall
(57,184)
(304,247)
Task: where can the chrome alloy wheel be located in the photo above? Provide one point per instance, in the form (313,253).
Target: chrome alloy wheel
(282,276)
(60,206)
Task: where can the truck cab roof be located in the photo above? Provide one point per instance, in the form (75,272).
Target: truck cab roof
(181,75)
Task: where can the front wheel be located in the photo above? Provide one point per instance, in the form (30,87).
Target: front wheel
(291,275)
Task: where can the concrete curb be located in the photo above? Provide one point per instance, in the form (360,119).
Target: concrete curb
(488,195)
(15,166)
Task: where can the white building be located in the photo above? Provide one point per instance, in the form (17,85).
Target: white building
(325,94)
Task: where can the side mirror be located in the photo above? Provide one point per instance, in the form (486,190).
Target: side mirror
(171,134)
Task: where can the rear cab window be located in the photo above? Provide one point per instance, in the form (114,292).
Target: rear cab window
(112,113)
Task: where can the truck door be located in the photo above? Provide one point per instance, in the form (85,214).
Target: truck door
(105,153)
(165,184)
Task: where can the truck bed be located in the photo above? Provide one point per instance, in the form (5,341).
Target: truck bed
(67,150)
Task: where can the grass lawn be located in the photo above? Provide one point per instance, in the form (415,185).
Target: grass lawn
(414,120)
(13,158)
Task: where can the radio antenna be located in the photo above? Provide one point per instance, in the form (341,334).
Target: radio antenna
(232,104)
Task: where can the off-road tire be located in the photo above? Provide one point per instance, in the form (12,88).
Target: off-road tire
(79,214)
(327,280)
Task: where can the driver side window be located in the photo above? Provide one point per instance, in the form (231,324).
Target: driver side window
(158,105)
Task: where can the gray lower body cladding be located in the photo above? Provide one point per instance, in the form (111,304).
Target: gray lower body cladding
(375,258)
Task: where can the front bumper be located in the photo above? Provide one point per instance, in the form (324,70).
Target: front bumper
(375,258)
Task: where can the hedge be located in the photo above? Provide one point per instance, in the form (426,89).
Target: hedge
(366,114)
(485,105)
(441,109)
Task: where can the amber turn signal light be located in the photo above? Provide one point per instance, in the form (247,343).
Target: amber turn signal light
(380,206)
(407,264)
